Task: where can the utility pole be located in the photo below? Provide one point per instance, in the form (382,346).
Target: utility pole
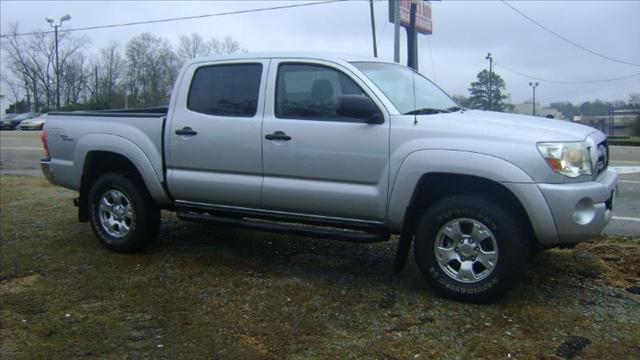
(55,27)
(373,29)
(534,85)
(412,39)
(488,57)
(396,30)
(96,75)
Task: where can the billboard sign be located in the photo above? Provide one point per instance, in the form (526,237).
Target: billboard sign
(423,14)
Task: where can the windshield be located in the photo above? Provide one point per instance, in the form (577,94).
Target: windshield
(410,92)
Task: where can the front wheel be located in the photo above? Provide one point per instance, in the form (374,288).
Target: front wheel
(123,215)
(470,249)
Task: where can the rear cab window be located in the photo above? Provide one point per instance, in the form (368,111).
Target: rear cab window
(226,90)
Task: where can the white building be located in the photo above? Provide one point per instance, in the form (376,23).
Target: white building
(526,108)
(4,102)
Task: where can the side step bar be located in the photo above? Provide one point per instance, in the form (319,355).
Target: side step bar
(327,232)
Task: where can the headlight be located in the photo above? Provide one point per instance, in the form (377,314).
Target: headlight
(570,159)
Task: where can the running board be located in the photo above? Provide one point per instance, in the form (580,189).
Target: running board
(326,232)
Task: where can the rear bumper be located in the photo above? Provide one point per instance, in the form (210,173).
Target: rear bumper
(581,210)
(45,165)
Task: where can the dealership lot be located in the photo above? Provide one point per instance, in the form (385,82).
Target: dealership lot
(20,152)
(213,292)
(203,291)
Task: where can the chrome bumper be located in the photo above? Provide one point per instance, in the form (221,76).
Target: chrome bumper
(45,165)
(581,210)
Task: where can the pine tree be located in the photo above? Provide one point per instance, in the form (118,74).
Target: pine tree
(479,90)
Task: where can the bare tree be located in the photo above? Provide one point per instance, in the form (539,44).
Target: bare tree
(14,86)
(112,68)
(152,68)
(192,46)
(20,63)
(227,46)
(76,78)
(32,60)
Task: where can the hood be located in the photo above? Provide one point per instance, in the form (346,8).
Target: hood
(509,137)
(522,127)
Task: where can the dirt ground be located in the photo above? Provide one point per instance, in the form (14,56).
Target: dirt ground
(212,292)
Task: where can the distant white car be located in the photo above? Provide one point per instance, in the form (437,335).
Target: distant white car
(36,123)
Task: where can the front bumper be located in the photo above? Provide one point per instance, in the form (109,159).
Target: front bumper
(45,165)
(30,127)
(581,210)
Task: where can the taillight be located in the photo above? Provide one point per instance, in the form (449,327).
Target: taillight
(43,138)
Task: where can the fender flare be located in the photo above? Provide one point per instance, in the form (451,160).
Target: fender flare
(422,162)
(127,149)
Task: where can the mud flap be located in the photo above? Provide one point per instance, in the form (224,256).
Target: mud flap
(404,244)
(402,252)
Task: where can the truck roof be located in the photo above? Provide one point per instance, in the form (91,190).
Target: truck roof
(295,54)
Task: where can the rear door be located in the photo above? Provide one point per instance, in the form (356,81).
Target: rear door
(316,162)
(214,153)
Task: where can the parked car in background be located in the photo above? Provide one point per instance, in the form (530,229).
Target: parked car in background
(13,121)
(36,123)
(6,122)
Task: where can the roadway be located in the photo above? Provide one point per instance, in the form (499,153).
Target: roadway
(20,152)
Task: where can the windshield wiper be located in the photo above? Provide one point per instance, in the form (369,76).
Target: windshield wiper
(427,111)
(455,108)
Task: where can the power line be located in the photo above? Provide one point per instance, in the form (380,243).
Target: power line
(178,18)
(566,82)
(568,40)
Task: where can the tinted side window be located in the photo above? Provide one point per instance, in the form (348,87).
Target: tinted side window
(311,92)
(226,90)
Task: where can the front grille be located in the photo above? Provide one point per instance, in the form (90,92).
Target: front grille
(603,157)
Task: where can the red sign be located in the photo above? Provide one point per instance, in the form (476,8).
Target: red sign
(423,14)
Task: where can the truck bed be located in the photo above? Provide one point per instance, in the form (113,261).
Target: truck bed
(136,134)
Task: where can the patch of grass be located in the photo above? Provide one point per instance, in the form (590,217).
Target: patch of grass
(214,292)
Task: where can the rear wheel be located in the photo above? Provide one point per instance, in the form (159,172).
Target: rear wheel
(470,249)
(123,215)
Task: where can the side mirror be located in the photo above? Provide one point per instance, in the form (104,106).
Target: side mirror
(359,107)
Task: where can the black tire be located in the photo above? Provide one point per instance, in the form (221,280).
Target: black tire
(143,219)
(471,211)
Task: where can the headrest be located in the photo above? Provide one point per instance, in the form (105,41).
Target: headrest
(321,89)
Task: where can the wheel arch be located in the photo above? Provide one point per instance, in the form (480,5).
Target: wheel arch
(434,186)
(99,160)
(429,167)
(450,172)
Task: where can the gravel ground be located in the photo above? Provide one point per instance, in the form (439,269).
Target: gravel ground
(214,292)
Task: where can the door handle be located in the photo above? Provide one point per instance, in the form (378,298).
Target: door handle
(278,135)
(186,131)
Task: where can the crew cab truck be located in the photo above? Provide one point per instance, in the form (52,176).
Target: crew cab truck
(339,147)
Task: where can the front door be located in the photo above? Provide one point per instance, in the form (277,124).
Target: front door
(214,153)
(314,161)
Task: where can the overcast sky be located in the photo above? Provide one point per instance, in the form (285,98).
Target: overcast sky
(464,31)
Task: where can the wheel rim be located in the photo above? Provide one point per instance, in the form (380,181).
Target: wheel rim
(466,250)
(116,213)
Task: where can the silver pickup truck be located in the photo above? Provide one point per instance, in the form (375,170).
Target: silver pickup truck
(344,148)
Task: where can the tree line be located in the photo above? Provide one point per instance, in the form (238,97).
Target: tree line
(139,73)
